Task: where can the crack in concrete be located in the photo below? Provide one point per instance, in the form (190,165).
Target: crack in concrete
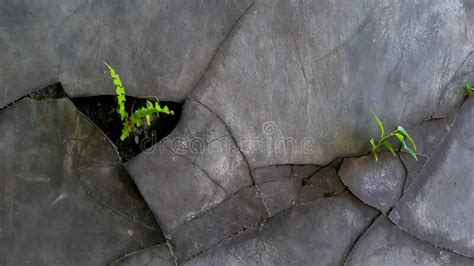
(231,134)
(455,75)
(354,244)
(429,243)
(211,208)
(202,170)
(106,205)
(219,46)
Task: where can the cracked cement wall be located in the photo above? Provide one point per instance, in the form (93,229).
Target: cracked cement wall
(306,69)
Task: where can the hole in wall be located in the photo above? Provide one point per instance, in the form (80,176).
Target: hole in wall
(102,110)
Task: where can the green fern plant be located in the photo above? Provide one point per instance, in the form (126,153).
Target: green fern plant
(399,134)
(133,122)
(468,89)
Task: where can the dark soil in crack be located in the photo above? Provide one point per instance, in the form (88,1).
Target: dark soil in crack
(102,110)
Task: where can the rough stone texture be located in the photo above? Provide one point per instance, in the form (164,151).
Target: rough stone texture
(181,179)
(160,48)
(280,184)
(157,255)
(453,92)
(385,244)
(279,195)
(324,183)
(26,44)
(319,232)
(379,184)
(438,206)
(271,173)
(299,60)
(238,213)
(65,199)
(428,136)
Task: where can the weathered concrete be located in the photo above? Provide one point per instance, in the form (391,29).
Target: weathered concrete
(157,255)
(385,244)
(159,48)
(379,184)
(428,136)
(186,174)
(235,215)
(280,184)
(324,66)
(324,183)
(438,206)
(65,199)
(319,232)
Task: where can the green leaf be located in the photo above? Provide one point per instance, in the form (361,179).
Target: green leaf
(389,146)
(409,150)
(379,122)
(405,133)
(400,137)
(468,88)
(374,148)
(148,119)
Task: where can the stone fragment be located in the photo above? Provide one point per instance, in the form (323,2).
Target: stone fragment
(438,206)
(385,244)
(65,198)
(324,183)
(156,255)
(235,215)
(192,170)
(320,232)
(378,184)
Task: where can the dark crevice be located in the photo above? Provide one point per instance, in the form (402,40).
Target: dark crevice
(49,92)
(102,111)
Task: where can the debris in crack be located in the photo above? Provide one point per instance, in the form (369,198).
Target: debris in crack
(52,91)
(102,110)
(324,183)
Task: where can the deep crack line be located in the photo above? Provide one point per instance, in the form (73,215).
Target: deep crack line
(356,241)
(429,243)
(218,48)
(231,134)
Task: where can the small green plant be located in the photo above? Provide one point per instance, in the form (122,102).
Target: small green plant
(132,123)
(399,133)
(468,89)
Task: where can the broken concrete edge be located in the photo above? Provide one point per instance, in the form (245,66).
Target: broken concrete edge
(103,203)
(116,211)
(64,94)
(232,30)
(207,210)
(393,216)
(354,244)
(116,261)
(391,219)
(373,223)
(275,216)
(454,114)
(39,88)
